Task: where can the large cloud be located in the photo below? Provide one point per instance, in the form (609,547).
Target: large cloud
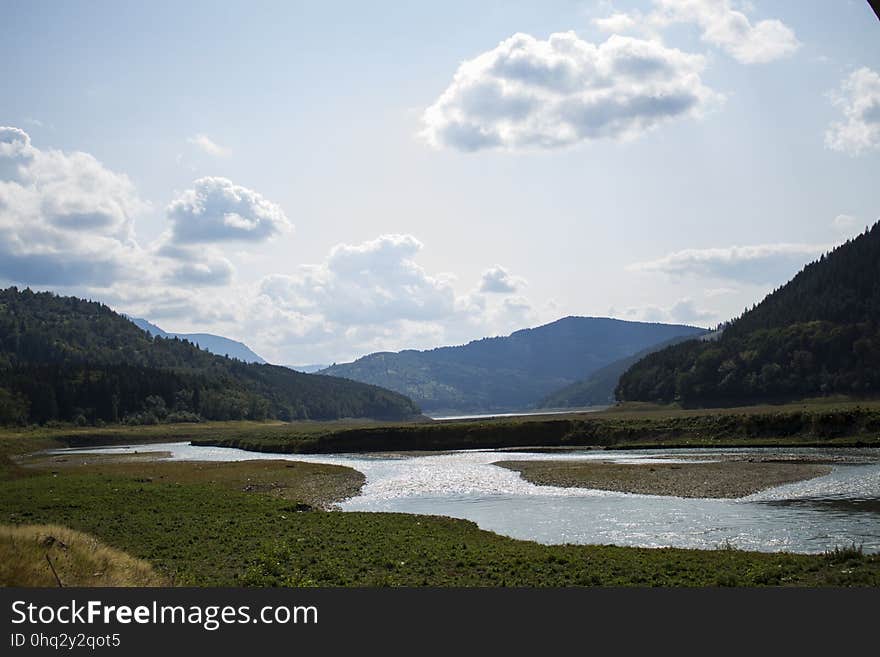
(530,93)
(375,296)
(65,219)
(373,282)
(859,100)
(217,210)
(720,24)
(758,264)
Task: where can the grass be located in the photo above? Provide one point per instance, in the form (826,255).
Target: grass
(41,555)
(838,423)
(311,485)
(244,523)
(204,534)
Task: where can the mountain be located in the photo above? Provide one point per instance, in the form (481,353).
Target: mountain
(216,344)
(512,372)
(818,334)
(598,388)
(63,358)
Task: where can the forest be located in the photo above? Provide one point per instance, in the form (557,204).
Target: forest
(817,335)
(68,359)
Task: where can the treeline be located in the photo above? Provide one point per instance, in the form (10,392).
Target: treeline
(63,358)
(817,335)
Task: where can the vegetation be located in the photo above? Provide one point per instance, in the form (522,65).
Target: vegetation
(63,358)
(51,555)
(199,537)
(598,388)
(839,423)
(216,344)
(309,485)
(817,335)
(512,372)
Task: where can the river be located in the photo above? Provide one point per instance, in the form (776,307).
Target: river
(835,510)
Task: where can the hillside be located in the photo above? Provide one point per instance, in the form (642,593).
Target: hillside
(817,335)
(508,373)
(216,344)
(63,358)
(598,388)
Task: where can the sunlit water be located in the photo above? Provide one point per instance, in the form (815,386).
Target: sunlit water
(835,510)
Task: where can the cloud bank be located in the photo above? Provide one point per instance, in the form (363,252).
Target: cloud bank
(757,264)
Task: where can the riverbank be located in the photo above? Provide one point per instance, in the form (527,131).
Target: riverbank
(811,424)
(309,485)
(204,533)
(203,526)
(724,479)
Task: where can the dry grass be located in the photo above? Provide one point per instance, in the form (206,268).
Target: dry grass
(78,558)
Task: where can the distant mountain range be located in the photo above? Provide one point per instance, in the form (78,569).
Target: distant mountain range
(216,344)
(819,334)
(509,373)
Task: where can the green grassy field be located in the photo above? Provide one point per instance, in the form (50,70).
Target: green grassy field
(246,524)
(208,535)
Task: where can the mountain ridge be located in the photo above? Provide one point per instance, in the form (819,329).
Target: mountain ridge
(819,334)
(511,372)
(69,359)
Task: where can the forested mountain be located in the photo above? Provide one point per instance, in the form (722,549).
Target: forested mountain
(216,344)
(508,373)
(598,388)
(818,334)
(63,358)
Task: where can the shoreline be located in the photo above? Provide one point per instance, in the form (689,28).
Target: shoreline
(726,479)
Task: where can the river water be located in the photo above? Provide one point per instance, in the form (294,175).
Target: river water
(819,514)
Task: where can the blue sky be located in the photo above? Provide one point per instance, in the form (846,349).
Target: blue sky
(322,180)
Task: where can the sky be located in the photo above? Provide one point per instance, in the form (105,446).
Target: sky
(326,180)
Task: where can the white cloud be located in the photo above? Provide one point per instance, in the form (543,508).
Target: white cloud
(208,145)
(369,283)
(844,223)
(732,30)
(619,22)
(217,210)
(65,219)
(721,25)
(529,93)
(759,264)
(713,292)
(859,100)
(497,280)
